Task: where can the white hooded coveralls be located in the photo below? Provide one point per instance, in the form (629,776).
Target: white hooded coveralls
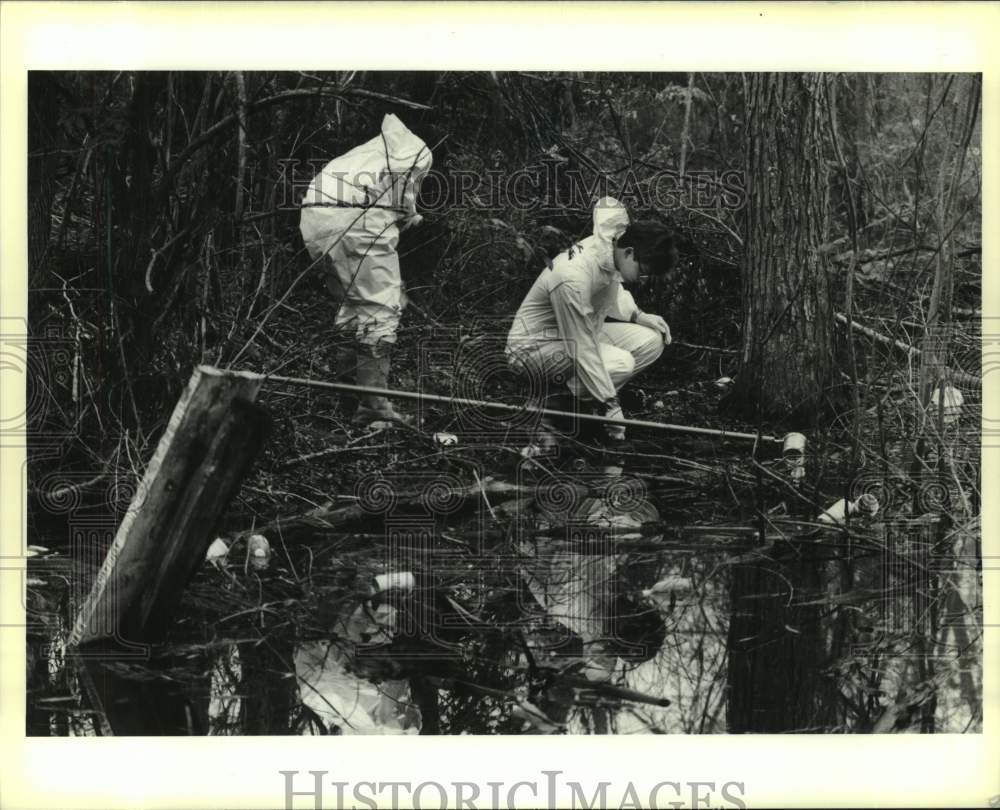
(350,216)
(560,326)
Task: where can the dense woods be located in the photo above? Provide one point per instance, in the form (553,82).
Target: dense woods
(828,283)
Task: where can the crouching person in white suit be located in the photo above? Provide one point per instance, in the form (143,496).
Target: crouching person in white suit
(560,329)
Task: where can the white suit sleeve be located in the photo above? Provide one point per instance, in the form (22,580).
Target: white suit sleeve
(573,318)
(624,306)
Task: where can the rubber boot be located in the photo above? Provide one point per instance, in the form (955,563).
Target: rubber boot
(375,411)
(345,370)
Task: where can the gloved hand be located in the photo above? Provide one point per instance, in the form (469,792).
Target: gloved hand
(614,411)
(410,221)
(657,323)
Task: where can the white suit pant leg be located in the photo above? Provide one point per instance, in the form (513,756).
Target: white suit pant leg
(643,345)
(619,363)
(547,363)
(622,353)
(374,299)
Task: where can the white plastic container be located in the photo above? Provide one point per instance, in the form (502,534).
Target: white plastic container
(953,401)
(259,550)
(397,580)
(793,449)
(445,439)
(217,552)
(866,506)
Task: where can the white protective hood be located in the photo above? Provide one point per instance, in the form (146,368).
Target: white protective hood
(384,172)
(610,219)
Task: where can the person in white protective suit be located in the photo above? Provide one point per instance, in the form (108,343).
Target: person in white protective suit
(560,328)
(352,215)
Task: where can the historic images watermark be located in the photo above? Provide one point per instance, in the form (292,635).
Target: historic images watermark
(546,790)
(547,187)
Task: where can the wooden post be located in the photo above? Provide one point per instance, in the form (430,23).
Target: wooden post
(213,436)
(158,536)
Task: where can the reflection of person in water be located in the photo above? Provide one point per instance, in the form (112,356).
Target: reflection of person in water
(593,614)
(582,611)
(594,597)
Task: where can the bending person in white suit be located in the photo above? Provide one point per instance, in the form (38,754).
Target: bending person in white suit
(352,215)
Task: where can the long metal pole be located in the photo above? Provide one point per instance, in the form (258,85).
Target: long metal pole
(390,393)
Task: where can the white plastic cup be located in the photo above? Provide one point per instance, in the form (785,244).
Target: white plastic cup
(397,580)
(793,449)
(866,506)
(260,551)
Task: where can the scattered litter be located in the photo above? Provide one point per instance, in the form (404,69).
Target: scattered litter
(724,383)
(536,450)
(953,401)
(368,627)
(658,405)
(667,585)
(260,551)
(445,439)
(217,552)
(397,580)
(793,449)
(866,506)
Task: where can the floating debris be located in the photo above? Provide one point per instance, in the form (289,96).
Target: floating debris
(866,506)
(217,552)
(445,439)
(260,551)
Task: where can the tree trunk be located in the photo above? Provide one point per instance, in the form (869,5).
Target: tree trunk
(787,323)
(776,650)
(266,688)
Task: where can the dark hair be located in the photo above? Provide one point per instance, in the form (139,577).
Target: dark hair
(654,243)
(637,630)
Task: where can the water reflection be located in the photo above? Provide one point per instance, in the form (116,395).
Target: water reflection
(548,634)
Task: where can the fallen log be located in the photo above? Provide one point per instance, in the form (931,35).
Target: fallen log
(330,517)
(961,377)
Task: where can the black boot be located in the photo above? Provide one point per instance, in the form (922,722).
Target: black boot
(375,410)
(345,370)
